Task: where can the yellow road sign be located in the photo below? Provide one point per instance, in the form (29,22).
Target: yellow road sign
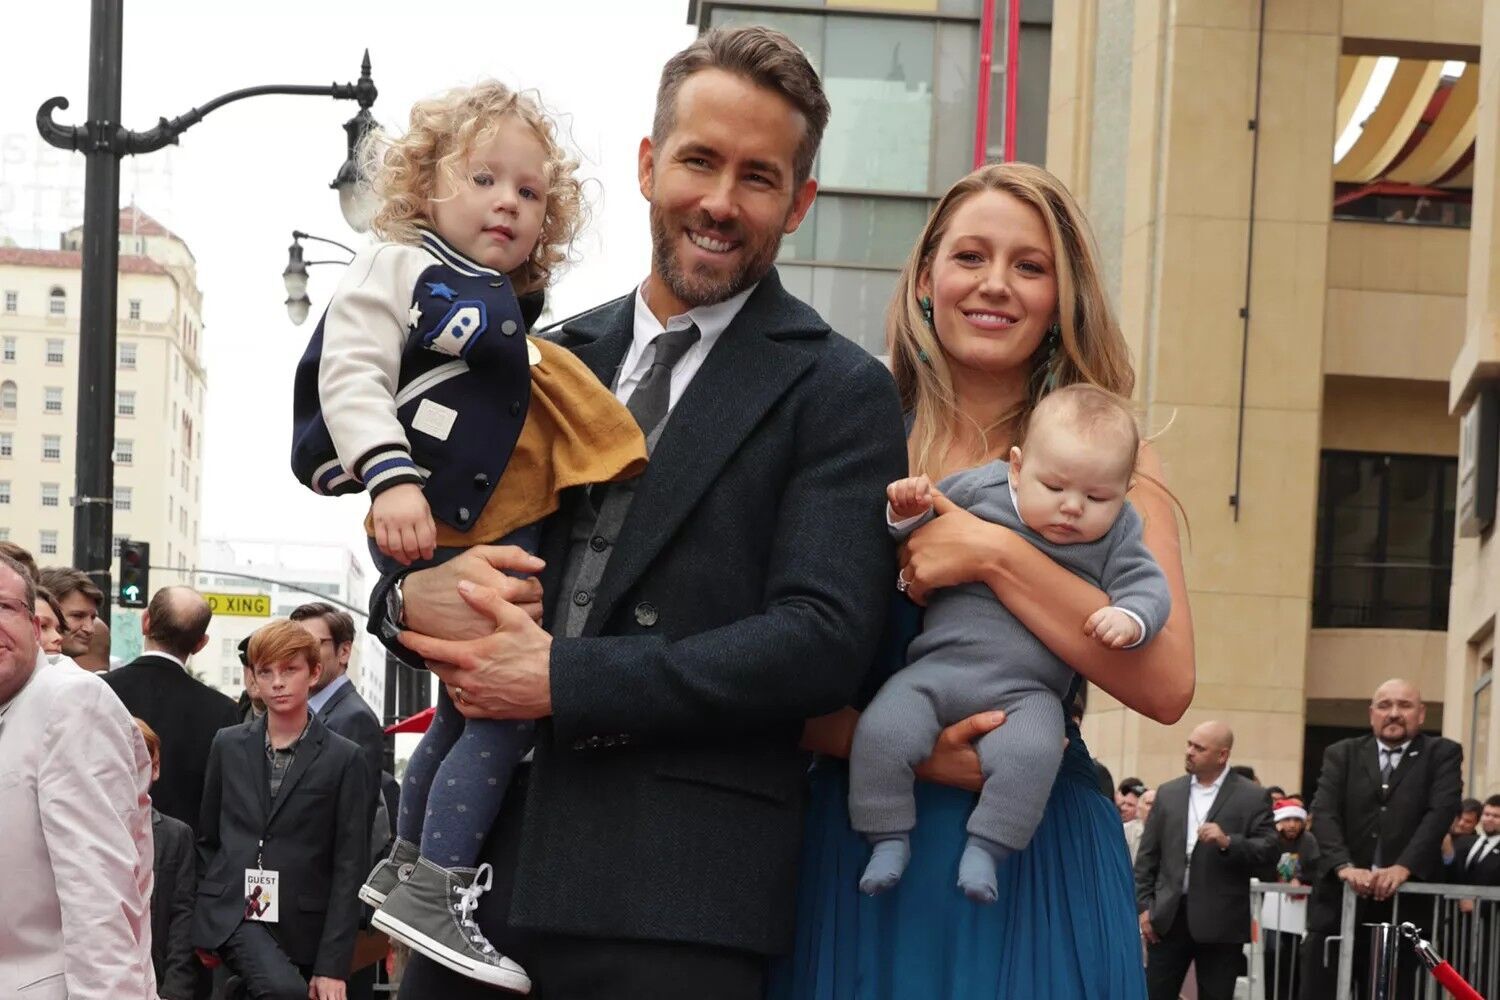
(244,605)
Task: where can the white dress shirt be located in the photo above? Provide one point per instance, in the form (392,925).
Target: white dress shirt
(712,320)
(316,702)
(1393,754)
(1200,801)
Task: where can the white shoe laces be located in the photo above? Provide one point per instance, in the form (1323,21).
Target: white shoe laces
(468,902)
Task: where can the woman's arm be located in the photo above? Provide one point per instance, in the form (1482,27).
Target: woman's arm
(1156,679)
(953,761)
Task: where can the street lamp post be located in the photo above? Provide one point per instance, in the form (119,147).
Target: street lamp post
(103,141)
(295,276)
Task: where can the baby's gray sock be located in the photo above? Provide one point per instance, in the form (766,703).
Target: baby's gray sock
(887,862)
(976,869)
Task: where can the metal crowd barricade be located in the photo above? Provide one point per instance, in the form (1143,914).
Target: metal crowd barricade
(1462,922)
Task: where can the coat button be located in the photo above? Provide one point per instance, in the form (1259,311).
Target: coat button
(598,543)
(463,515)
(645,615)
(515,408)
(481,482)
(582,598)
(508,328)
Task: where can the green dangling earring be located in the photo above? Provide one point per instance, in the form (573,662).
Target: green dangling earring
(925,304)
(1048,369)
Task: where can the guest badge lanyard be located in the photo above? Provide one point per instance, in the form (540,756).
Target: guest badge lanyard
(262,891)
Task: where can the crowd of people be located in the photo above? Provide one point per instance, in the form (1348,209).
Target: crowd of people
(1386,810)
(650,558)
(165,841)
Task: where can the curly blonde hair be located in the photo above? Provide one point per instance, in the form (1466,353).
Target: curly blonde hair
(441,135)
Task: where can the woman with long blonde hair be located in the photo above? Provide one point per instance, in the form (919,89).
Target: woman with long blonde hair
(1000,302)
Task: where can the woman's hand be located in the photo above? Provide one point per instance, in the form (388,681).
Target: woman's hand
(954,760)
(434,606)
(955,547)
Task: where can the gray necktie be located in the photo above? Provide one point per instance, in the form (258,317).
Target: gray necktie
(1388,761)
(648,403)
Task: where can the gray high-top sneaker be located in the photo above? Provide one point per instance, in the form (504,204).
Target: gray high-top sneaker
(389,872)
(432,912)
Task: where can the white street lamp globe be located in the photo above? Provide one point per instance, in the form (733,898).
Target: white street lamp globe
(298,308)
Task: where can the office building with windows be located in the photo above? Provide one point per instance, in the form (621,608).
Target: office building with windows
(159,399)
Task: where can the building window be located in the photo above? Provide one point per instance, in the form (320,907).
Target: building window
(9,350)
(54,352)
(48,546)
(4,491)
(7,445)
(135,308)
(1385,541)
(127,354)
(51,447)
(52,399)
(8,398)
(49,495)
(124,497)
(4,534)
(57,302)
(124,404)
(1477,750)
(182,519)
(119,541)
(124,451)
(10,302)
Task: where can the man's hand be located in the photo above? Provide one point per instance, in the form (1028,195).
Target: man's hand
(504,674)
(954,760)
(1147,931)
(1213,834)
(909,497)
(435,607)
(404,529)
(1358,879)
(1385,881)
(1112,628)
(323,988)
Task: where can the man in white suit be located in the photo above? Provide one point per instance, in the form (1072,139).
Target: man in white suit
(75,823)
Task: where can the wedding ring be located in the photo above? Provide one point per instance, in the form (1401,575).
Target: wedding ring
(901,581)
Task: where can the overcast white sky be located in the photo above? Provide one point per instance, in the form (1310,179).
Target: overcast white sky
(250,173)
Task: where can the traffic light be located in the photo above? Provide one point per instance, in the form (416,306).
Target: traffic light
(135,574)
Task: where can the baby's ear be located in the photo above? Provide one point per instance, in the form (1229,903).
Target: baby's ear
(1015,458)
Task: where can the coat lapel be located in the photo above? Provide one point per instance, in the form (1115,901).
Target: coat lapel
(748,370)
(1369,762)
(254,748)
(312,745)
(1176,838)
(1409,762)
(1225,791)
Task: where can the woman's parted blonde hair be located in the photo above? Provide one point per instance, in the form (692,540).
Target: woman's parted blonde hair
(441,134)
(1092,350)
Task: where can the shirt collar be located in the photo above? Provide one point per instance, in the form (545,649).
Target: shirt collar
(1218,782)
(42,663)
(711,320)
(165,656)
(453,257)
(292,746)
(316,702)
(1399,750)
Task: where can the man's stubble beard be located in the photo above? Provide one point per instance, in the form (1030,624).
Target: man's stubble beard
(701,290)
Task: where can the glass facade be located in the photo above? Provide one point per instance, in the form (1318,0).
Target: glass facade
(903,86)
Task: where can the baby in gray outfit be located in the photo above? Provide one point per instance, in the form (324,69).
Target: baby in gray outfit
(1064,491)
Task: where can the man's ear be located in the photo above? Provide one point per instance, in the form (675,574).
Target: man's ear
(345,650)
(646,167)
(802,201)
(145,623)
(198,646)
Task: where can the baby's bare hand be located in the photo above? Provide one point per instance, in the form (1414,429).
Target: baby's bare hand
(1113,628)
(910,497)
(404,529)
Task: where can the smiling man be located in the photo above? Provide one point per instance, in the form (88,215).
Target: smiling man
(696,615)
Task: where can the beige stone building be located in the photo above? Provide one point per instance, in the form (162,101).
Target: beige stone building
(159,403)
(1295,322)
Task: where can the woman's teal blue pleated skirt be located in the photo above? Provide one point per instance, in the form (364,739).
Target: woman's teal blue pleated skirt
(1064,928)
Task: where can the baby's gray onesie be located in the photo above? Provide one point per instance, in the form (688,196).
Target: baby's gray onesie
(973,656)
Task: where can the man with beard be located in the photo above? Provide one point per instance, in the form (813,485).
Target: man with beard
(80,601)
(1283,916)
(700,613)
(1383,803)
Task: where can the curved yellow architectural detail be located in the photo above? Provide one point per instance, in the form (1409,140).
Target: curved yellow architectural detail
(1463,180)
(1390,125)
(1448,137)
(1354,77)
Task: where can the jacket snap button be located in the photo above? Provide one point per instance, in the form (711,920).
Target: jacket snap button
(598,543)
(582,598)
(645,615)
(508,328)
(515,408)
(481,482)
(463,515)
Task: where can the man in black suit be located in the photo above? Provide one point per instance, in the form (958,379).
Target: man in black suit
(283,841)
(172,895)
(1383,804)
(699,614)
(1476,857)
(1209,832)
(185,712)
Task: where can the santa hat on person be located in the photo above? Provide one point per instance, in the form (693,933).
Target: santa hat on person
(1289,809)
